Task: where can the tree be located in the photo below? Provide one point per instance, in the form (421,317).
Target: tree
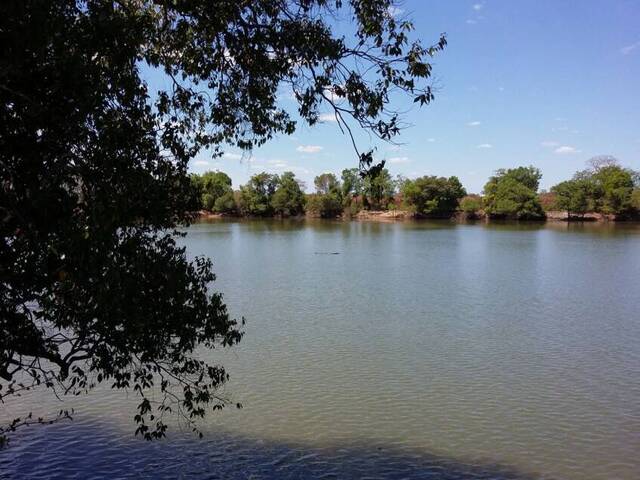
(614,187)
(379,188)
(256,196)
(352,184)
(288,199)
(324,205)
(471,205)
(574,196)
(611,185)
(213,186)
(431,195)
(93,170)
(512,194)
(326,183)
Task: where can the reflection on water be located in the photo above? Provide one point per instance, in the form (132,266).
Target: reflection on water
(421,350)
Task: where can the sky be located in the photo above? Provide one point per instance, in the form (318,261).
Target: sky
(549,83)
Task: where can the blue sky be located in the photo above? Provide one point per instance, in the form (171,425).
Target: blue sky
(549,83)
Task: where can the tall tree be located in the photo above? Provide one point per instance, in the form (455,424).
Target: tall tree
(93,170)
(379,188)
(288,199)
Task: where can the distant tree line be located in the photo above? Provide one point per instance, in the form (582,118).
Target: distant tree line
(604,187)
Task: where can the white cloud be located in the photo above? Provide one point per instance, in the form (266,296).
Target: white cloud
(431,140)
(478,6)
(201,163)
(397,160)
(549,144)
(474,124)
(309,148)
(232,156)
(629,48)
(566,150)
(327,117)
(280,164)
(485,145)
(471,21)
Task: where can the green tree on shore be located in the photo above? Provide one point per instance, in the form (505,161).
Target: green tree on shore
(605,187)
(256,196)
(379,189)
(431,195)
(512,193)
(574,196)
(215,191)
(288,199)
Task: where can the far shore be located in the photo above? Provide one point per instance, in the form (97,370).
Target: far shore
(406,215)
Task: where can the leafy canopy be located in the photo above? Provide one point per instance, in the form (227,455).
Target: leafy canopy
(431,195)
(93,170)
(512,193)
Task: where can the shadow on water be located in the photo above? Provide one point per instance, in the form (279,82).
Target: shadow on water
(90,452)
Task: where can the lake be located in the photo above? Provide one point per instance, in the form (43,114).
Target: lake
(393,350)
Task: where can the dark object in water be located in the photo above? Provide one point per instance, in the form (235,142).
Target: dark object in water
(326,253)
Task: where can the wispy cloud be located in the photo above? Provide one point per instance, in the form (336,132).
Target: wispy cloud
(431,140)
(201,163)
(485,145)
(397,160)
(474,124)
(549,144)
(232,156)
(327,117)
(309,148)
(566,150)
(630,48)
(477,8)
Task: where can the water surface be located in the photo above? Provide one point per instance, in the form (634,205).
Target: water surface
(395,350)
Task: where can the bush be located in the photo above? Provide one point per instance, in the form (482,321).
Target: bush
(431,195)
(324,205)
(471,204)
(512,194)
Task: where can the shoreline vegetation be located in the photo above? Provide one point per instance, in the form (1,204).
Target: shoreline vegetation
(605,191)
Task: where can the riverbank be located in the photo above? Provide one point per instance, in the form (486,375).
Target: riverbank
(402,215)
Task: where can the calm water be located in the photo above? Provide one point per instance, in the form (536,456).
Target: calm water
(420,350)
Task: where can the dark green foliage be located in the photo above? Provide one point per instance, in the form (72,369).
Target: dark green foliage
(613,186)
(214,186)
(93,171)
(288,199)
(327,205)
(574,196)
(605,187)
(352,186)
(431,195)
(225,203)
(327,202)
(379,189)
(512,193)
(256,195)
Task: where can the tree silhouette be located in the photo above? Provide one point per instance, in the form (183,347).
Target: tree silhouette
(93,166)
